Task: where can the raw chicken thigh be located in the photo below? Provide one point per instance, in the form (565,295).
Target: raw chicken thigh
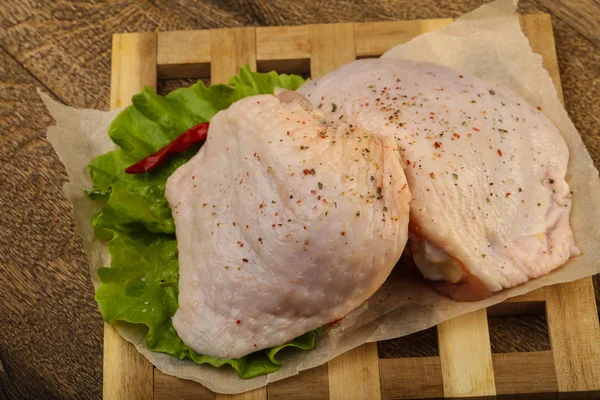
(490,206)
(284,223)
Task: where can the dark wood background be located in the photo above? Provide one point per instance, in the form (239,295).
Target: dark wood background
(50,329)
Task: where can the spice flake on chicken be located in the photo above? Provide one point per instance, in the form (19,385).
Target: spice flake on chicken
(490,205)
(284,223)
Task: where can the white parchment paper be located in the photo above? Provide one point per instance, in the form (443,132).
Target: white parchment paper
(487,42)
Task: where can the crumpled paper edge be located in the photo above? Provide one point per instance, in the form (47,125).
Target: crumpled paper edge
(404,304)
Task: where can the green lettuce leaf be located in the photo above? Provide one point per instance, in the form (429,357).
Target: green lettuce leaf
(150,123)
(141,285)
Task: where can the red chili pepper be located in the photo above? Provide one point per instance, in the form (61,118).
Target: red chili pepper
(183,142)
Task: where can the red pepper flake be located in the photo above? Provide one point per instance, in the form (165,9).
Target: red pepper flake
(507,194)
(273,226)
(407,162)
(432,175)
(245,260)
(306,172)
(539,108)
(238,322)
(437,145)
(186,140)
(343,233)
(456,135)
(476,129)
(241,181)
(303,122)
(313,191)
(193,177)
(500,152)
(331,324)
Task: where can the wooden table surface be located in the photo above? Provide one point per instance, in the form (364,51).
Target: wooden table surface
(50,329)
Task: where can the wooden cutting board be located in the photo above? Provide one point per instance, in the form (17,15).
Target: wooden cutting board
(466,366)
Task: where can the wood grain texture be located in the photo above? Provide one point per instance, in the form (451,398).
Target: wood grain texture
(50,328)
(127,375)
(51,343)
(256,394)
(574,335)
(311,384)
(331,46)
(525,373)
(167,386)
(543,45)
(582,15)
(375,38)
(183,54)
(466,356)
(354,375)
(283,49)
(229,50)
(126,372)
(133,66)
(411,378)
(419,378)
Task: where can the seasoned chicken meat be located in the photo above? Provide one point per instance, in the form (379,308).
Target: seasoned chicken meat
(490,206)
(284,223)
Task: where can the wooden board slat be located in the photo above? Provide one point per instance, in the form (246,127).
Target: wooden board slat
(514,373)
(183,54)
(133,66)
(355,374)
(311,384)
(574,335)
(256,394)
(525,373)
(375,38)
(126,373)
(331,46)
(466,356)
(282,43)
(283,48)
(538,29)
(229,50)
(411,378)
(167,387)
